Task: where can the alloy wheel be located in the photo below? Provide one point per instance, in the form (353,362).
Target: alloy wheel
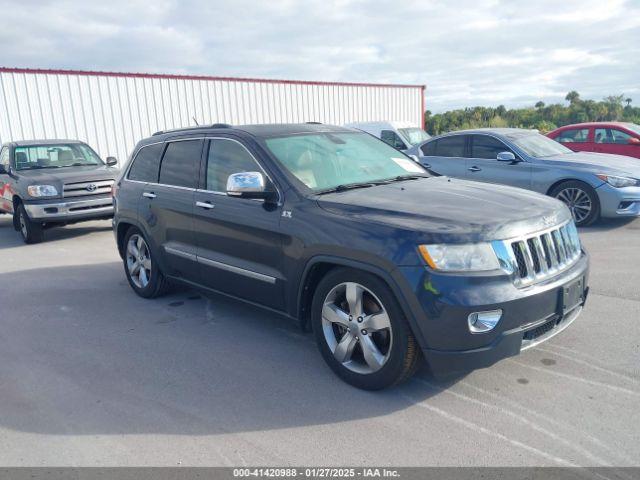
(578,202)
(357,328)
(138,261)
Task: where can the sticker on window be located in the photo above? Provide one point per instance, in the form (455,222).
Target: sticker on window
(408,165)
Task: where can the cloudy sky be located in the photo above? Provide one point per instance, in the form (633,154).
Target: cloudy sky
(472,52)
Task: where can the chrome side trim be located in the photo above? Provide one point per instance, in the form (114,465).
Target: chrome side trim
(238,270)
(220,265)
(180,253)
(126,178)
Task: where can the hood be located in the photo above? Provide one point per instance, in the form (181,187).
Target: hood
(599,163)
(454,210)
(70,174)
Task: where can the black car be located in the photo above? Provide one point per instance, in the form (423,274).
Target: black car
(336,229)
(44,183)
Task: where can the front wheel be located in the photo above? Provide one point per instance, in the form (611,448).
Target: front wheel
(31,231)
(581,199)
(361,330)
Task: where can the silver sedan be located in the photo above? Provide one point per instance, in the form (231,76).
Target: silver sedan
(592,185)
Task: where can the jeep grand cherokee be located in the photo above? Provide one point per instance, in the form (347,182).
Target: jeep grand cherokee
(340,231)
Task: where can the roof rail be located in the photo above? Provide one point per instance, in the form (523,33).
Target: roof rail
(313,123)
(197,127)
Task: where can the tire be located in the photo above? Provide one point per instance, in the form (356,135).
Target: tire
(30,231)
(396,355)
(579,197)
(138,257)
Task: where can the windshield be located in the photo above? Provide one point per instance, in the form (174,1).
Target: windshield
(634,127)
(414,135)
(324,161)
(538,145)
(55,156)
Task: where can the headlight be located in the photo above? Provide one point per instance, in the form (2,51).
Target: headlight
(473,257)
(619,182)
(42,191)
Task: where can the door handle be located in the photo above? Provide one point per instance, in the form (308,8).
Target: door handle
(206,205)
(149,195)
(474,169)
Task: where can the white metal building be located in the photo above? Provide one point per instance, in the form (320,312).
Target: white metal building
(112,111)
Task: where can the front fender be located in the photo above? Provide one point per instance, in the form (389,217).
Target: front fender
(388,272)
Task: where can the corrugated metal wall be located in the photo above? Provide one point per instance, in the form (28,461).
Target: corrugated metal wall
(112,111)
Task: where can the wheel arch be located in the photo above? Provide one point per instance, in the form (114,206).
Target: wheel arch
(16,201)
(121,229)
(317,267)
(569,179)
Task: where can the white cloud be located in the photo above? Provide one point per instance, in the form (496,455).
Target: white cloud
(469,52)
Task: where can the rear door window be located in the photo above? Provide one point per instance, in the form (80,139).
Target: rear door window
(484,146)
(181,163)
(578,135)
(146,164)
(429,149)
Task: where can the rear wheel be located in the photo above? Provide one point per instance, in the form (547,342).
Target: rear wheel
(361,330)
(581,199)
(31,231)
(141,269)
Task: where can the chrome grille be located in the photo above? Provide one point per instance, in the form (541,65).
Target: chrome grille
(537,257)
(82,189)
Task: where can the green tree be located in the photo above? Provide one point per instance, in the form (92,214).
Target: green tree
(541,116)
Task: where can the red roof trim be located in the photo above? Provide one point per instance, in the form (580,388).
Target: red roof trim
(199,77)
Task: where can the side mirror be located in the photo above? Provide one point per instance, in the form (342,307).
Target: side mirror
(507,157)
(112,161)
(633,141)
(248,185)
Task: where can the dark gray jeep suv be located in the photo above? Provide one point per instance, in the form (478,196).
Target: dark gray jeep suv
(345,234)
(44,183)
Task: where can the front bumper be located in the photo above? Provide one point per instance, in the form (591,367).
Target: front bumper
(68,211)
(619,202)
(530,315)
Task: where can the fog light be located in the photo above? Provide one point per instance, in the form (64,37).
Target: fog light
(480,322)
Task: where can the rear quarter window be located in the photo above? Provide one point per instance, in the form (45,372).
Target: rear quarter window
(146,164)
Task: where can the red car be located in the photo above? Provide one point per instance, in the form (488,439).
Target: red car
(601,137)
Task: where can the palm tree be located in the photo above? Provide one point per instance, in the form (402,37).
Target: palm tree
(572,97)
(628,100)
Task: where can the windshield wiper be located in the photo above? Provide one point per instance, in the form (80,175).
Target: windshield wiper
(399,178)
(346,186)
(373,183)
